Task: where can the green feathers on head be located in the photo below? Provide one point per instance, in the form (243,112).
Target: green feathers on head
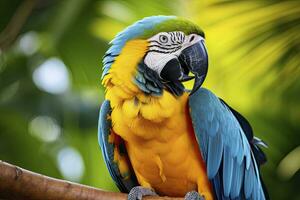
(174,24)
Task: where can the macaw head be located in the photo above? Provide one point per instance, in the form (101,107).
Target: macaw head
(156,54)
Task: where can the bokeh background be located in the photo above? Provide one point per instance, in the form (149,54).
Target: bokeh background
(50,87)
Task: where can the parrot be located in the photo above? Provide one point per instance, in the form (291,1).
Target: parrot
(158,137)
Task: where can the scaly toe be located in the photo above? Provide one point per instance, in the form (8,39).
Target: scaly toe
(138,192)
(193,195)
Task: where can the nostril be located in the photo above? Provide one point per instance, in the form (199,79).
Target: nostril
(192,38)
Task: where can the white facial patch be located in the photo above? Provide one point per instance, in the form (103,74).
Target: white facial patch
(165,46)
(157,61)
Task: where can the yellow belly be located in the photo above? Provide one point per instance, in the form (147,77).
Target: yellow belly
(172,167)
(163,151)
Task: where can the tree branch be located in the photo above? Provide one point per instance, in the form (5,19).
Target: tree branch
(18,184)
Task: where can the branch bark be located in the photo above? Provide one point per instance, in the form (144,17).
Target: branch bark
(18,184)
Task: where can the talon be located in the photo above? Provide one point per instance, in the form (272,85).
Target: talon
(193,195)
(138,192)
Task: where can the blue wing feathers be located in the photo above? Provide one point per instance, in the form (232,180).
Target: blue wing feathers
(224,146)
(228,170)
(238,179)
(215,148)
(235,176)
(217,184)
(248,182)
(107,148)
(240,157)
(205,148)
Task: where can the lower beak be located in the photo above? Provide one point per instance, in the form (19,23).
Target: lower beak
(195,58)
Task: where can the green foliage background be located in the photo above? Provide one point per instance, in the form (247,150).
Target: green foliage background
(254,49)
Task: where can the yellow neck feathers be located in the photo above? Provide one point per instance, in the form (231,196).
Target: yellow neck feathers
(119,82)
(130,105)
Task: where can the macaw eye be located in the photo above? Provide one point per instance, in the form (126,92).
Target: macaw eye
(163,39)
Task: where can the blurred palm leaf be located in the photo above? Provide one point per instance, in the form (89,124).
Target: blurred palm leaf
(262,37)
(116,15)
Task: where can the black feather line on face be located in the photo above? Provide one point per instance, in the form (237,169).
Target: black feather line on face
(158,51)
(172,37)
(165,48)
(165,45)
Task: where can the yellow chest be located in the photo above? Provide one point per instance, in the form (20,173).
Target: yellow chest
(161,146)
(168,162)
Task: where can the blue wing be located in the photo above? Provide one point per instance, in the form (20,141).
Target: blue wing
(110,144)
(230,162)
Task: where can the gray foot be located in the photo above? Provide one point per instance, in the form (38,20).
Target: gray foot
(193,195)
(138,192)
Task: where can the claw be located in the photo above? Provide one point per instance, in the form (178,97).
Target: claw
(138,192)
(193,195)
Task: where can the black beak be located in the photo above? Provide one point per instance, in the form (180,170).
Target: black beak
(195,58)
(192,59)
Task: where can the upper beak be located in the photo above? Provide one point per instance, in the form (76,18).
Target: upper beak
(195,58)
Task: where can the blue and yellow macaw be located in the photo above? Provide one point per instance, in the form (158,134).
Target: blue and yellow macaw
(158,137)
